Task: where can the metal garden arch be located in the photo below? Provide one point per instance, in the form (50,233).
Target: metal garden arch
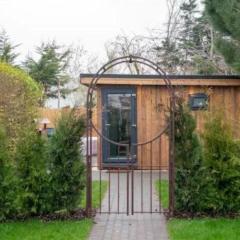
(90,126)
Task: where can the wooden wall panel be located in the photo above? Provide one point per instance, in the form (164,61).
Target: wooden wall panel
(152,107)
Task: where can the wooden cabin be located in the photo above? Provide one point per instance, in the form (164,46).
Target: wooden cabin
(133,108)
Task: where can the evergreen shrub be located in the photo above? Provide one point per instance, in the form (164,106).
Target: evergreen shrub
(208,169)
(31,160)
(190,173)
(222,159)
(8,181)
(67,169)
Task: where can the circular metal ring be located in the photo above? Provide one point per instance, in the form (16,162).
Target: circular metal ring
(99,75)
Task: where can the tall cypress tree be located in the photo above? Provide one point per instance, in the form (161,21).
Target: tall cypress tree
(225,18)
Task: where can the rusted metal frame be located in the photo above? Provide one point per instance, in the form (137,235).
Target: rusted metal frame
(171,158)
(89,113)
(128,156)
(118,186)
(159,176)
(141,177)
(100,187)
(157,69)
(132,183)
(164,130)
(151,177)
(118,197)
(109,191)
(89,160)
(124,212)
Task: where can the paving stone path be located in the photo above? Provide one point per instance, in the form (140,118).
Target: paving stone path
(140,226)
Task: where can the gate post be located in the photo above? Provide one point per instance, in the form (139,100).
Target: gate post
(172,157)
(89,164)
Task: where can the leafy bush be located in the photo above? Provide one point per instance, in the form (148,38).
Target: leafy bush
(8,183)
(222,158)
(31,162)
(207,177)
(19,98)
(66,162)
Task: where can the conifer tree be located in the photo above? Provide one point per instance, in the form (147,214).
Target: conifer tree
(225,18)
(187,34)
(50,69)
(7,49)
(66,162)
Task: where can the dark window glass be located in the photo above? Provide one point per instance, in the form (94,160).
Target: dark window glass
(119,117)
(198,101)
(119,124)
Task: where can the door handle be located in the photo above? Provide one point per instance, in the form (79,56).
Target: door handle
(134,125)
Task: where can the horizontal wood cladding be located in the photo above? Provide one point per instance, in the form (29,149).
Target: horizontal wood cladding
(153,110)
(157,81)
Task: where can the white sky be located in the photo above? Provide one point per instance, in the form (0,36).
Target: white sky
(85,22)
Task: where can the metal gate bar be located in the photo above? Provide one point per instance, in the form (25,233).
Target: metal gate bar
(130,167)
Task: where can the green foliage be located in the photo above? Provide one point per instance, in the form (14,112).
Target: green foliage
(221,154)
(8,183)
(19,98)
(39,230)
(204,66)
(225,17)
(188,148)
(50,69)
(190,174)
(162,188)
(7,49)
(204,229)
(31,159)
(208,176)
(66,163)
(47,175)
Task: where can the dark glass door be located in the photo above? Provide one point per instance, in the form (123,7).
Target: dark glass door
(119,124)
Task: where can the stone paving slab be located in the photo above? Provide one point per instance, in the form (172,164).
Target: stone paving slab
(140,226)
(134,227)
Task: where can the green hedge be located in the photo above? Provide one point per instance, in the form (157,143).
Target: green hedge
(49,174)
(19,98)
(207,168)
(37,175)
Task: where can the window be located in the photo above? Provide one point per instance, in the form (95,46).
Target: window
(119,123)
(198,101)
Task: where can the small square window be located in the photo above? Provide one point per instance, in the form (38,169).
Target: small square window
(198,101)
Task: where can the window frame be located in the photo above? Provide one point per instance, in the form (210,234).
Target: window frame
(203,96)
(105,145)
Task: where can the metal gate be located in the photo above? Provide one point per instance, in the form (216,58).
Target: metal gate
(130,189)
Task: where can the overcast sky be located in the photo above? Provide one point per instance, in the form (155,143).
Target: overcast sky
(86,22)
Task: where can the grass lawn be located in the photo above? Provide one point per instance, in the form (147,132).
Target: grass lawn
(163,189)
(204,229)
(95,194)
(198,229)
(55,230)
(37,230)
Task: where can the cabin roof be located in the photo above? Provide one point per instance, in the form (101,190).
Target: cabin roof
(187,80)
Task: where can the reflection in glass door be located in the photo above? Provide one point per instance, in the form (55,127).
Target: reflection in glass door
(119,124)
